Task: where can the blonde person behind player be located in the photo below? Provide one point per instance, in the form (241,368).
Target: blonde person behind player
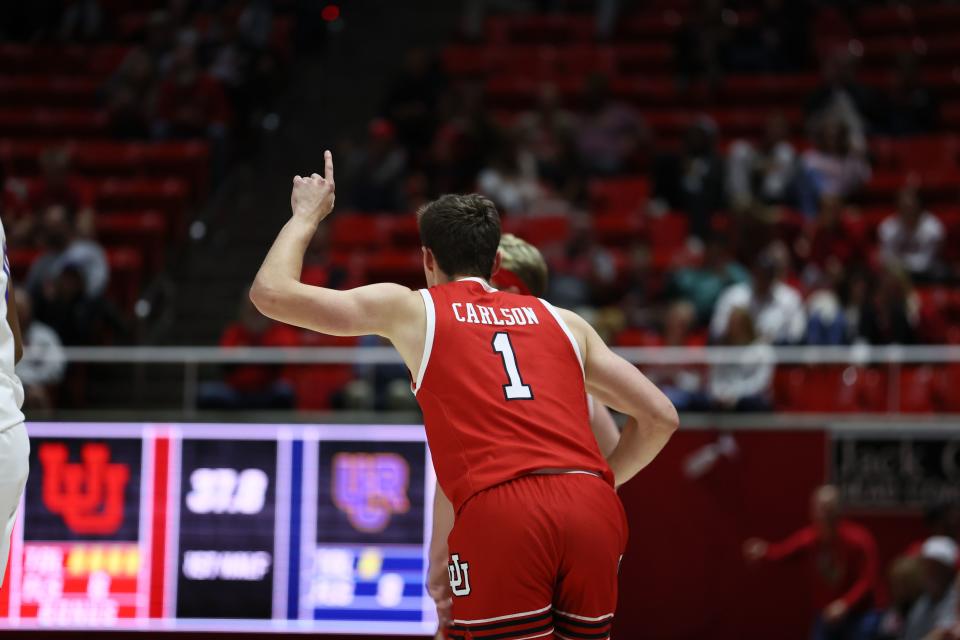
(522,270)
(502,380)
(14,446)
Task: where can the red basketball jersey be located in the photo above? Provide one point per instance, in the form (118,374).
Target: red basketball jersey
(501,388)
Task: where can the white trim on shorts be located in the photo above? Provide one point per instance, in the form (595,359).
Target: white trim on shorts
(428,337)
(583,618)
(511,616)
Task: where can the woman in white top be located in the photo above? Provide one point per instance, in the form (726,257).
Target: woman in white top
(14,446)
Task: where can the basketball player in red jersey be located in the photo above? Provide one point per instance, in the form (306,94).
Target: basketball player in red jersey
(523,270)
(502,381)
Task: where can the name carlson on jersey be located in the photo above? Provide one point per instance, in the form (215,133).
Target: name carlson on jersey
(479,314)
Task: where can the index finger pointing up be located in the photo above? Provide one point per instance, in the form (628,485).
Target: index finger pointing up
(328,166)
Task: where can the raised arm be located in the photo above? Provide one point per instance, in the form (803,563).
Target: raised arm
(388,310)
(618,384)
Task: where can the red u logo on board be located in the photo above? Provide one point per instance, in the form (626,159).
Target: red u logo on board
(87,495)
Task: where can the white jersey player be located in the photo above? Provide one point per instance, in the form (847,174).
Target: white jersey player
(14,446)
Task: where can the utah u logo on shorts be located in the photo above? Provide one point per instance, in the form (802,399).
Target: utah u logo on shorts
(459,576)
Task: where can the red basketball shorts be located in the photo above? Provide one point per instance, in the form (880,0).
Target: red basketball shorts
(537,557)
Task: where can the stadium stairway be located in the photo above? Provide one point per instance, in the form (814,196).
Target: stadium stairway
(324,103)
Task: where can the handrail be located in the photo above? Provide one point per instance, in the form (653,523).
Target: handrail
(809,355)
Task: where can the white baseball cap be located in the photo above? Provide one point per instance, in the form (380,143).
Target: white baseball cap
(942,549)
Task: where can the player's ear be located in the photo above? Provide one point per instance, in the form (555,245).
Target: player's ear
(429,261)
(497,261)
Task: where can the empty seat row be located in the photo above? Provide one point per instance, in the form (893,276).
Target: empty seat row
(126,271)
(875,389)
(169,196)
(97,61)
(517,90)
(53,123)
(50,91)
(188,160)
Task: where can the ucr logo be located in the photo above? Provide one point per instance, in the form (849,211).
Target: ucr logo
(370,488)
(89,495)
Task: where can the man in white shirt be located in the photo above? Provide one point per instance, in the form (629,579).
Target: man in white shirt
(14,446)
(913,236)
(935,612)
(776,307)
(44,362)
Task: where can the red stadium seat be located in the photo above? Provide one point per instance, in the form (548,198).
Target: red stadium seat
(540,231)
(145,230)
(618,229)
(52,123)
(90,60)
(403,230)
(917,389)
(358,232)
(669,232)
(48,91)
(620,195)
(126,275)
(925,154)
(402,267)
(168,195)
(187,160)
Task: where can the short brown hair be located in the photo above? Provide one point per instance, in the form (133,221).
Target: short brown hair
(463,232)
(525,261)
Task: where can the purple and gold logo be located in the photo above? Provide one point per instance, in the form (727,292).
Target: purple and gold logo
(370,487)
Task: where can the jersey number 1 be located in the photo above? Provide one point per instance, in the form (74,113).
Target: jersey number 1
(516,390)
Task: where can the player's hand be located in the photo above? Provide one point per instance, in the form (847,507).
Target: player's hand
(754,549)
(438,586)
(313,196)
(835,612)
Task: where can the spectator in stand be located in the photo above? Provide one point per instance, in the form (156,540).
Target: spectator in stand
(549,131)
(890,313)
(610,134)
(775,307)
(703,284)
(841,557)
(683,384)
(764,173)
(913,237)
(835,167)
(413,101)
(44,361)
(906,577)
(911,108)
(78,318)
(702,46)
(935,614)
(747,384)
(59,186)
(251,386)
(130,94)
(190,103)
(693,182)
(63,246)
(784,35)
(829,245)
(464,141)
(475,13)
(583,270)
(511,179)
(319,270)
(81,20)
(375,174)
(641,287)
(841,97)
